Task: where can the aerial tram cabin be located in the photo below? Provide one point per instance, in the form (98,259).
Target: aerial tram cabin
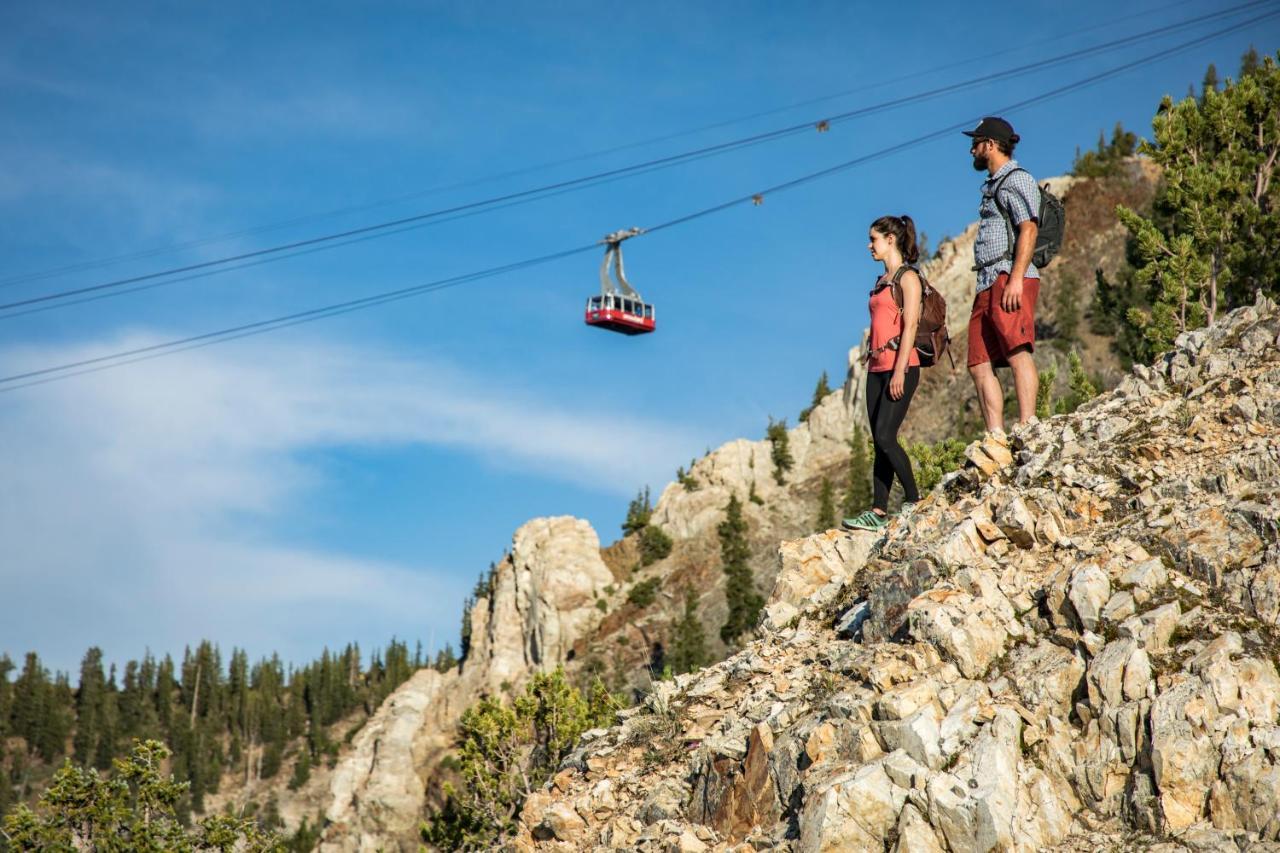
(618,308)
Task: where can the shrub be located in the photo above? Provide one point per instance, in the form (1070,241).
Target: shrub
(655,545)
(932,461)
(644,593)
(776,433)
(1044,392)
(819,394)
(506,752)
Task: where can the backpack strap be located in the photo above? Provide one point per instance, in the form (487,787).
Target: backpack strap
(1011,239)
(896,283)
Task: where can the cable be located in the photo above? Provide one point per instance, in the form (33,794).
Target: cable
(63,371)
(373,205)
(294,319)
(650,165)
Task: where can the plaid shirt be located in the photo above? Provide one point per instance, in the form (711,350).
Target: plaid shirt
(1021,198)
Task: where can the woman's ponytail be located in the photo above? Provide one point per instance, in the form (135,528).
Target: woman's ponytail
(903,230)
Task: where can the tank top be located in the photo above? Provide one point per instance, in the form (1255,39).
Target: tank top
(886,324)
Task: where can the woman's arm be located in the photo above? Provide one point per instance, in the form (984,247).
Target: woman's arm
(910,285)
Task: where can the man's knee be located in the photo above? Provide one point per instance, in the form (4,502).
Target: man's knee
(1022,353)
(981,372)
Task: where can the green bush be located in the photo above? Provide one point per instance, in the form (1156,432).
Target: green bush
(776,433)
(819,394)
(644,593)
(1044,392)
(655,545)
(932,461)
(686,478)
(506,752)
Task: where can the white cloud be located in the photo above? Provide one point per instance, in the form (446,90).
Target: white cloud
(134,500)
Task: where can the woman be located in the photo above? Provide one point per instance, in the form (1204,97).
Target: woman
(893,365)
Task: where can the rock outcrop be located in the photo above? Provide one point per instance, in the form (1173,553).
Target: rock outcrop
(376,792)
(541,602)
(1074,650)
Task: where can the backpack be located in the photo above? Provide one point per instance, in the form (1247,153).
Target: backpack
(932,338)
(1052,220)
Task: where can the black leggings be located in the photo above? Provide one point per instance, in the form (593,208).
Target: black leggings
(885,415)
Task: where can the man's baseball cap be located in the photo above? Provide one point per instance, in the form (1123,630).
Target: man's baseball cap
(993,127)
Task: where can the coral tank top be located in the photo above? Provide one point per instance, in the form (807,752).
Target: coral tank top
(886,324)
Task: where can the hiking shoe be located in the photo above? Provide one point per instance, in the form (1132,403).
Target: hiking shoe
(867,521)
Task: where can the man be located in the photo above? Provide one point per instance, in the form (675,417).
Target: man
(1002,327)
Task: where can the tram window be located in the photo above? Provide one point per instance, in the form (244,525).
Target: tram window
(648,312)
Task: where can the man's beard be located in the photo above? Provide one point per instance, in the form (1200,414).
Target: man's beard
(980,163)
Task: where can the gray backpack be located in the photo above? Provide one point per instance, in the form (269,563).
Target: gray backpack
(1052,220)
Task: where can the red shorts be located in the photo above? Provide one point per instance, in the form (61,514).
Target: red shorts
(995,332)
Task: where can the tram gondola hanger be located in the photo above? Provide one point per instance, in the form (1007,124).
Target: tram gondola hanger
(619,307)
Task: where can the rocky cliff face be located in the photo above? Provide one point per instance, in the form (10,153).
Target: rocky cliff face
(1072,644)
(543,600)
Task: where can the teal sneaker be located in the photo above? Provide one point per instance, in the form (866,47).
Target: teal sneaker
(867,521)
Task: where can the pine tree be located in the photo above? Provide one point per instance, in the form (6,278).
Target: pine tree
(6,697)
(1044,392)
(689,647)
(826,507)
(1249,64)
(819,394)
(445,659)
(639,512)
(1210,83)
(857,494)
(134,809)
(1213,243)
(30,695)
(776,433)
(1082,387)
(89,702)
(740,592)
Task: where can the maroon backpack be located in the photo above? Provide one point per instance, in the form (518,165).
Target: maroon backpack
(932,338)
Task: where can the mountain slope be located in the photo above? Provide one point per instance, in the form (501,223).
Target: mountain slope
(1075,649)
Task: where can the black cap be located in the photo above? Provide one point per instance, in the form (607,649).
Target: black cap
(993,127)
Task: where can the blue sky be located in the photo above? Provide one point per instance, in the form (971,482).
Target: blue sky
(348,479)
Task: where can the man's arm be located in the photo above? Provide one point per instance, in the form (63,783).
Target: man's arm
(1023,248)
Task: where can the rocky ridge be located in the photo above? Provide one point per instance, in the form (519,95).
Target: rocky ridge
(1072,643)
